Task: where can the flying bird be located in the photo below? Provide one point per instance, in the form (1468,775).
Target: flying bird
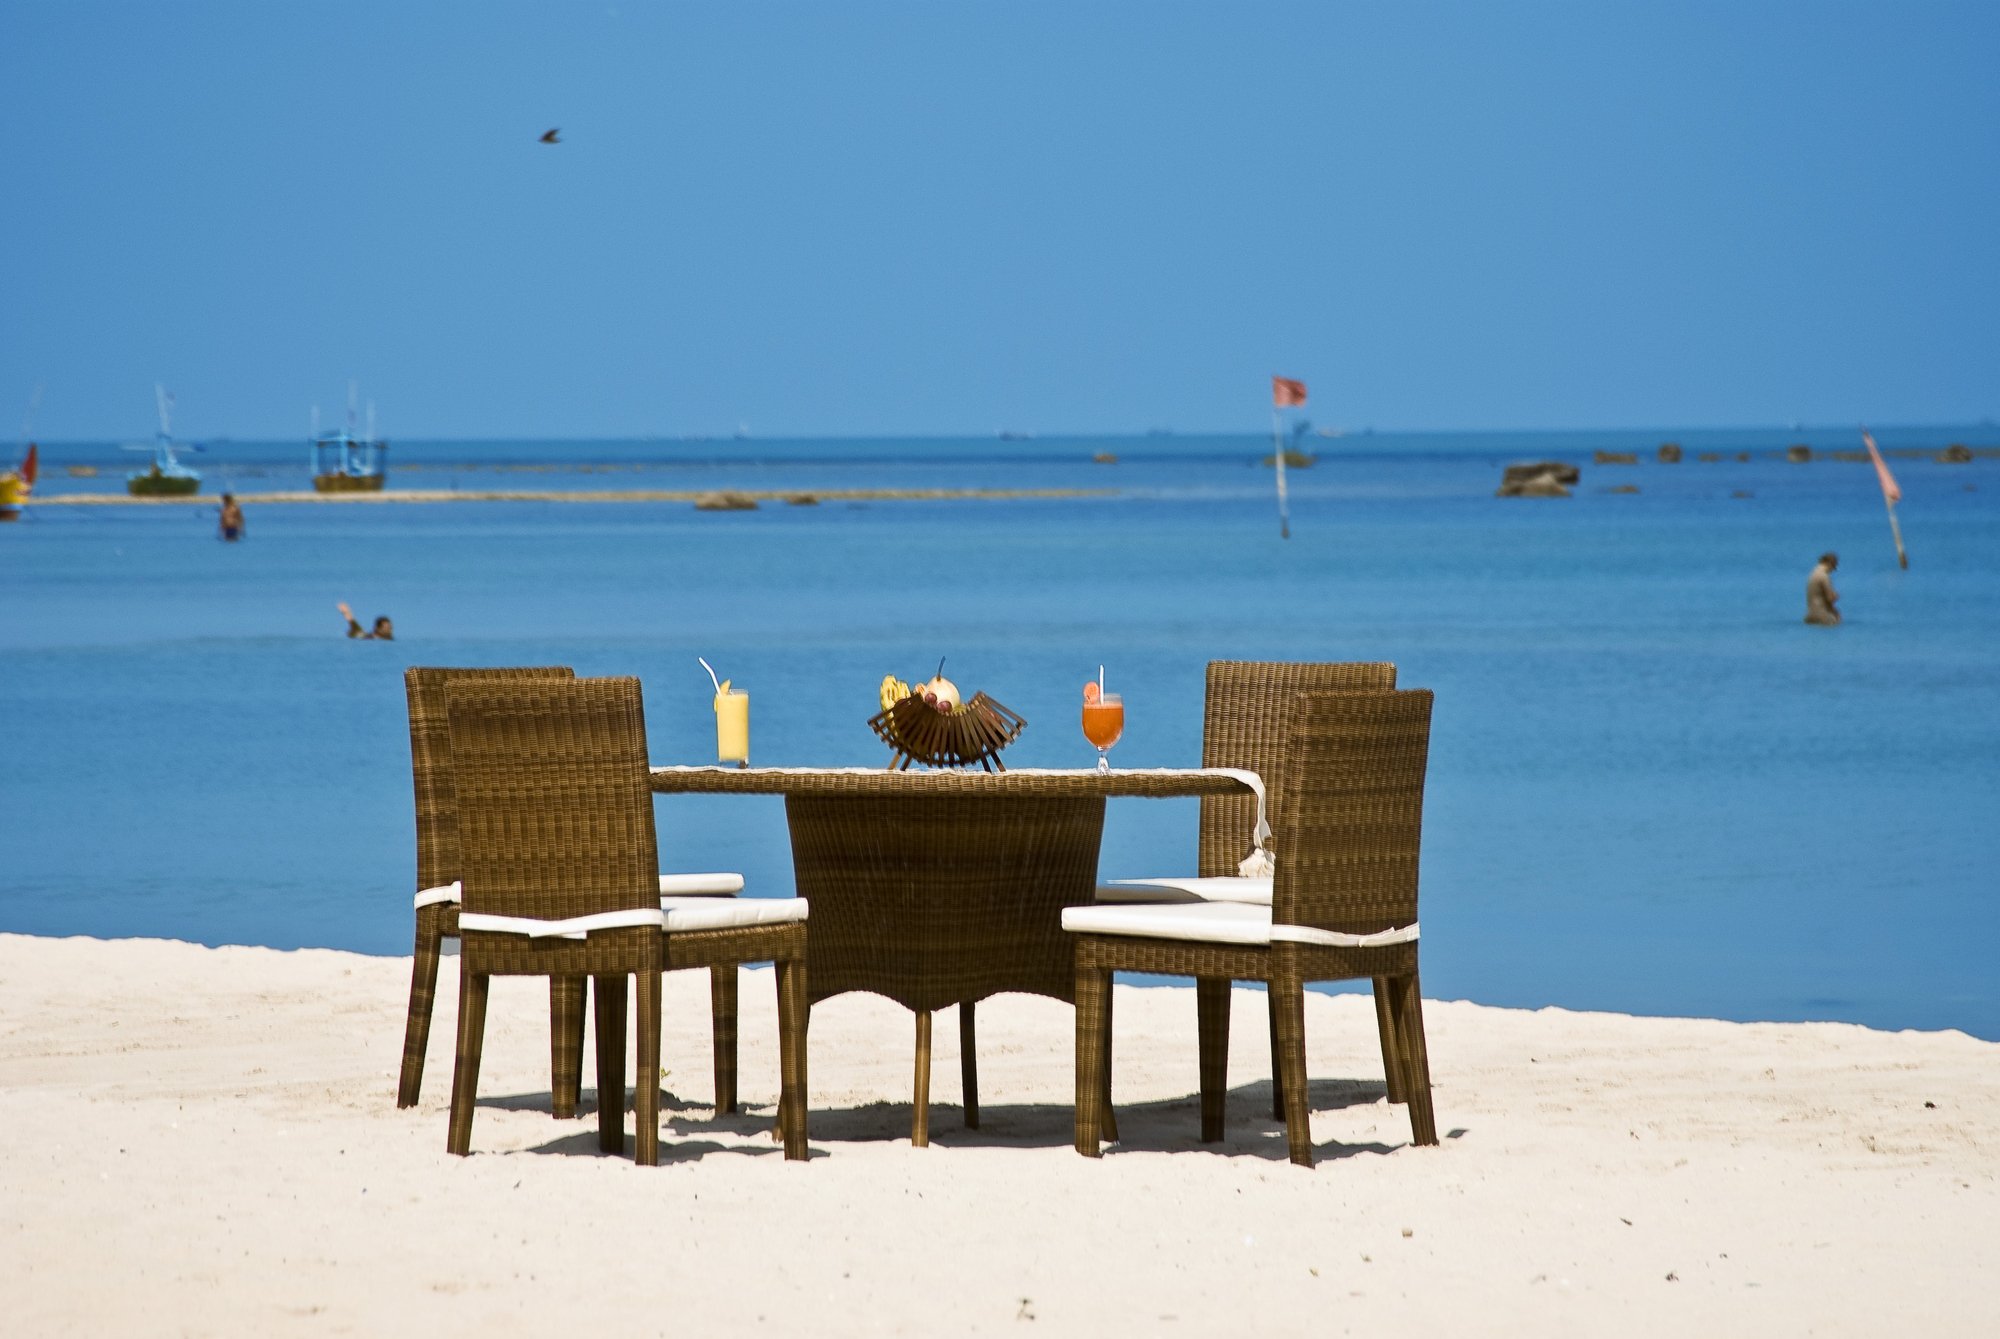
(549,137)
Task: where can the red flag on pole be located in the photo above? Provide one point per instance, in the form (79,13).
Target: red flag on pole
(1286,392)
(1890,492)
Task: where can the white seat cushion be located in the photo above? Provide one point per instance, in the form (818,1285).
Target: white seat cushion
(700,885)
(1217,923)
(1207,922)
(1256,892)
(671,885)
(734,913)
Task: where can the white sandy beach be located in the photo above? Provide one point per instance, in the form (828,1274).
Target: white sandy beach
(205,1141)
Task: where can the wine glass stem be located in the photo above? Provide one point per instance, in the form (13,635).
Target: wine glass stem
(1103,763)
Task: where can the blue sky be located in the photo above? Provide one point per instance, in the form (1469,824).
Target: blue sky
(909,218)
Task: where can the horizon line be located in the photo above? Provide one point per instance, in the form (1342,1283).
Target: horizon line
(1013,437)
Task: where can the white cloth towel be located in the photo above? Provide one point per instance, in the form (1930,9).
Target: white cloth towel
(576,927)
(674,914)
(1218,923)
(671,885)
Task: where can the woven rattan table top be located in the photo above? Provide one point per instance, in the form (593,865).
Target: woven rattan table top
(882,782)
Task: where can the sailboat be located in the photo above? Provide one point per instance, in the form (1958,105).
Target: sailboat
(16,484)
(345,463)
(168,477)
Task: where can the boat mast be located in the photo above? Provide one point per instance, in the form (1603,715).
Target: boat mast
(347,444)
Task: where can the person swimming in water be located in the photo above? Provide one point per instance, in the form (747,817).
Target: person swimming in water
(1821,597)
(230,525)
(383,631)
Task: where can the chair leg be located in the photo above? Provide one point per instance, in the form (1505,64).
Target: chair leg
(1107,1114)
(920,1114)
(968,1064)
(646,1131)
(1288,1006)
(465,1069)
(610,994)
(722,1005)
(1392,1059)
(1212,1010)
(567,995)
(1093,994)
(1416,1059)
(794,1016)
(423,991)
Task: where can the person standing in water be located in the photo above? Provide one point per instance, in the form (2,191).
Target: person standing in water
(1821,597)
(230,526)
(383,631)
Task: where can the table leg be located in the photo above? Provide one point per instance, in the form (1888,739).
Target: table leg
(1093,989)
(920,1117)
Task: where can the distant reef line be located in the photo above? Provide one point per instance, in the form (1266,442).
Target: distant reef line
(793,496)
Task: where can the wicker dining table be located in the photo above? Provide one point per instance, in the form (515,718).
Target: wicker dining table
(941,888)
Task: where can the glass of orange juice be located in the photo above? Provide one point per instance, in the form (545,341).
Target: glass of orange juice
(1103,720)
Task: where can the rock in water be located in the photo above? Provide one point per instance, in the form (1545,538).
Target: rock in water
(1670,453)
(1564,472)
(725,502)
(1542,479)
(1799,454)
(1617,458)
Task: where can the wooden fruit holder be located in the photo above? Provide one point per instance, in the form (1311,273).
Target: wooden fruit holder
(975,733)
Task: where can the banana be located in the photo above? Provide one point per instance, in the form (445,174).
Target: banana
(893,690)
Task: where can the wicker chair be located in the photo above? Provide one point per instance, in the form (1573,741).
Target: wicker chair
(559,864)
(936,915)
(1344,907)
(437,903)
(1247,713)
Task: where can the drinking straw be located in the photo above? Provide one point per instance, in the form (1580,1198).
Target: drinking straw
(711,675)
(1100,681)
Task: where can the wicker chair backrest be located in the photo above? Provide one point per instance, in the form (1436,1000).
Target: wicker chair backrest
(1246,716)
(1352,815)
(555,806)
(430,761)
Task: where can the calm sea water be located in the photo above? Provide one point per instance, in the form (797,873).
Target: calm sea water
(1652,788)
